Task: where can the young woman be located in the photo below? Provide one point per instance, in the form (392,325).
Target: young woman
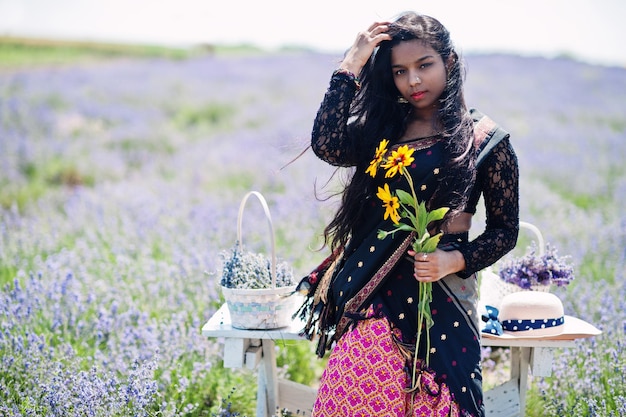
(403,81)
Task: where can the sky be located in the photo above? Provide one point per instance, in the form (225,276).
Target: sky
(590,30)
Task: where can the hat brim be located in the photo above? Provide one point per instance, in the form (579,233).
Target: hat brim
(573,328)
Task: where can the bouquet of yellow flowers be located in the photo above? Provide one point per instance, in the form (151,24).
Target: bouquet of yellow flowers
(400,205)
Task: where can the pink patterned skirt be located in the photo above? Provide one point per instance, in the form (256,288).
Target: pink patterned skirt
(366,377)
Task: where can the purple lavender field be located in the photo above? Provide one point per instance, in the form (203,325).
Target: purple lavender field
(119,188)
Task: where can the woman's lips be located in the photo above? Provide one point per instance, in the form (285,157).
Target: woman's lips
(419,95)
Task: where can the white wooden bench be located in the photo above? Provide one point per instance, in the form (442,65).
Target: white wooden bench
(256,348)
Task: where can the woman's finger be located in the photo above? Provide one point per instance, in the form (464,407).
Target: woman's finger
(376,25)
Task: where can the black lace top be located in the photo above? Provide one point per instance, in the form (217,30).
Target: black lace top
(497,176)
(497,179)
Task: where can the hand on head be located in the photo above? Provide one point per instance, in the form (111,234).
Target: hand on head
(364,45)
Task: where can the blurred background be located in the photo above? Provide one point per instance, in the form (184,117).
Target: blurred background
(587,30)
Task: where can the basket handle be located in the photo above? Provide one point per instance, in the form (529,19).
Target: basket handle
(266,209)
(538,235)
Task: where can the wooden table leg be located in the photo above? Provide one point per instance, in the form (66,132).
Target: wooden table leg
(524,368)
(261,393)
(267,385)
(520,366)
(515,362)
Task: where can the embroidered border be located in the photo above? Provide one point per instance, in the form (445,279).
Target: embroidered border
(419,144)
(482,129)
(368,289)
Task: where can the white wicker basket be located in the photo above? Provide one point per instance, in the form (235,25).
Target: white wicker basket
(493,288)
(264,308)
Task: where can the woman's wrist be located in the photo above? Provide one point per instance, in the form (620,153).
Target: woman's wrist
(349,75)
(456,261)
(353,68)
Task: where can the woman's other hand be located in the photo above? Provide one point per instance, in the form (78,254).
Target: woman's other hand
(431,267)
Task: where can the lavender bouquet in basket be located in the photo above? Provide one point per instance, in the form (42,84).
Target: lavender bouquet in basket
(532,270)
(248,270)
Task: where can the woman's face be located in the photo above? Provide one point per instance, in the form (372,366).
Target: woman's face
(419,74)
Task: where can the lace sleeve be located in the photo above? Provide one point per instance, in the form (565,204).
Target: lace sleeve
(330,137)
(498,179)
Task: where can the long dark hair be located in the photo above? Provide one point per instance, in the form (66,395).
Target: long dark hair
(377,114)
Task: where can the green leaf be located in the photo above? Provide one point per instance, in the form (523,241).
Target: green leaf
(437,214)
(408,214)
(405,198)
(431,243)
(422,217)
(418,244)
(405,227)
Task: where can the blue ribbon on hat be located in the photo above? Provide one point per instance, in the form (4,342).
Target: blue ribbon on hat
(532,324)
(492,326)
(495,327)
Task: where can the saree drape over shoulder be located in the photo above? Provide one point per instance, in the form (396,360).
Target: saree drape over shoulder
(370,285)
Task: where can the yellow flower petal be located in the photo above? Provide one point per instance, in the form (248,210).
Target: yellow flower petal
(398,160)
(384,193)
(381,150)
(372,168)
(390,202)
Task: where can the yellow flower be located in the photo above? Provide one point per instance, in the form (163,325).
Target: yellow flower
(398,160)
(378,157)
(390,203)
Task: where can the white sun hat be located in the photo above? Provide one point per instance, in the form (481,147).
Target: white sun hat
(534,315)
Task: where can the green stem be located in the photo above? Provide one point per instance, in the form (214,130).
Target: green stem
(424,291)
(409,179)
(427,291)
